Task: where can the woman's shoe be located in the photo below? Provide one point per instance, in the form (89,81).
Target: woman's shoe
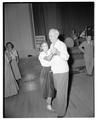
(50,108)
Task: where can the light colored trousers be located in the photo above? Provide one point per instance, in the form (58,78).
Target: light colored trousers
(89,63)
(61,86)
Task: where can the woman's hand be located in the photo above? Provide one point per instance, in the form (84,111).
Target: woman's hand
(17,59)
(10,60)
(82,49)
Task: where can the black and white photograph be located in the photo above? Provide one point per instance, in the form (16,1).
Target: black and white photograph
(48,59)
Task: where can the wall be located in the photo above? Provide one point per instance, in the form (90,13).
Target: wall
(18,28)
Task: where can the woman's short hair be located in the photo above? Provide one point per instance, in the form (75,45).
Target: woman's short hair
(10,44)
(44,42)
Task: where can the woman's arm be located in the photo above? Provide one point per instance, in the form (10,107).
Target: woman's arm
(81,47)
(52,53)
(56,51)
(16,56)
(49,57)
(17,59)
(8,56)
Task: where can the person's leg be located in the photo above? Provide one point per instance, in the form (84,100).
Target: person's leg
(90,68)
(50,91)
(49,106)
(49,100)
(43,83)
(61,85)
(86,58)
(51,88)
(89,64)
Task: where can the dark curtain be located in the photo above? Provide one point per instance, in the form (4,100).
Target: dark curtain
(64,16)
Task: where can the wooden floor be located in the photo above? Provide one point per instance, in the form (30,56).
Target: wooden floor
(29,103)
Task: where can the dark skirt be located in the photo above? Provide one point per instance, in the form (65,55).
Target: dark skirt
(47,84)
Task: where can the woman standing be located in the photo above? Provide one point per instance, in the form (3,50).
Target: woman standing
(11,87)
(46,77)
(87,48)
(13,56)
